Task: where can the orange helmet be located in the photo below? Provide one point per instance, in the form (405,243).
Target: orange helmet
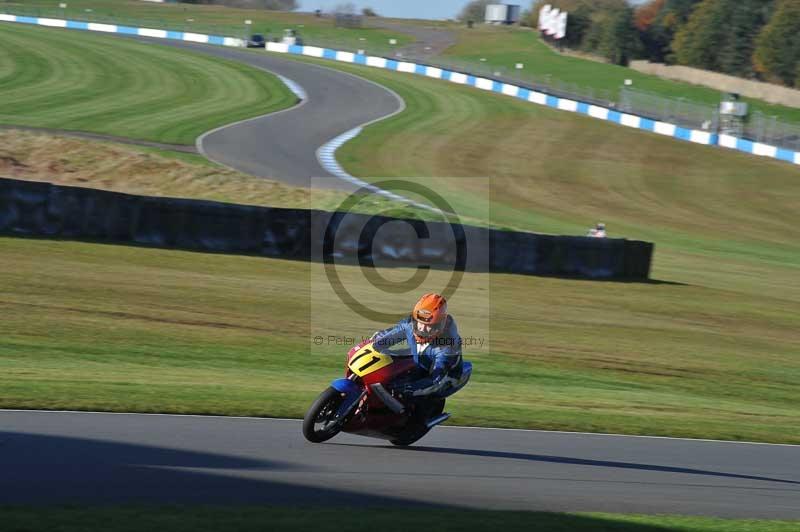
(431,310)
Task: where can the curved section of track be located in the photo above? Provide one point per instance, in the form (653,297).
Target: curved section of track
(50,458)
(283,145)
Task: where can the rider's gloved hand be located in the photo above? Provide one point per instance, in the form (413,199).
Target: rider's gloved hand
(374,337)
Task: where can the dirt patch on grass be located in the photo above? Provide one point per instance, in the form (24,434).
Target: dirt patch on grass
(11,161)
(147,171)
(109,138)
(137,170)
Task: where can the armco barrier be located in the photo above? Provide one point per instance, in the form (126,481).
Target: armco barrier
(527,94)
(40,209)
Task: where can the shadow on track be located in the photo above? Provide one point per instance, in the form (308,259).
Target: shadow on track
(41,469)
(577,461)
(132,485)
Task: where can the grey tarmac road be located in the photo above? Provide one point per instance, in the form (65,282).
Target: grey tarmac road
(429,41)
(283,145)
(58,457)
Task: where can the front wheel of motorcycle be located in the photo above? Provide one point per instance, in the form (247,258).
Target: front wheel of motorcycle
(320,424)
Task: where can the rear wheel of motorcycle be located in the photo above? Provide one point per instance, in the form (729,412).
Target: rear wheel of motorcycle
(410,436)
(319,424)
(418,429)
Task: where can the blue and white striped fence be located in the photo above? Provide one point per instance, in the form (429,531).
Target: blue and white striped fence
(540,98)
(125,30)
(594,111)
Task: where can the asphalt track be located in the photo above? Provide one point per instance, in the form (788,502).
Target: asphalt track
(283,145)
(75,458)
(429,41)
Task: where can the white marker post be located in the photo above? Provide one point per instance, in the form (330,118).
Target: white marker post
(561,26)
(544,16)
(552,22)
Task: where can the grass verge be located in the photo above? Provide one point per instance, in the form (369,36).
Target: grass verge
(69,161)
(68,79)
(113,328)
(503,48)
(214,20)
(198,519)
(719,218)
(141,170)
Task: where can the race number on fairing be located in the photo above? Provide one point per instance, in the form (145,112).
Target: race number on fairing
(367,360)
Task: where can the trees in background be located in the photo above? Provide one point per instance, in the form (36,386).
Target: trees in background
(475,10)
(720,35)
(746,21)
(613,35)
(603,27)
(657,23)
(777,52)
(746,38)
(700,40)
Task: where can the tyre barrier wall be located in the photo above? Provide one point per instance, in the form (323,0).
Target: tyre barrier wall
(540,98)
(36,209)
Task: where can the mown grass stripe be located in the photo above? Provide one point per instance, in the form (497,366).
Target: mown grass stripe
(60,79)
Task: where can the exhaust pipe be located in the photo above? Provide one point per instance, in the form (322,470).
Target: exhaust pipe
(393,404)
(439,419)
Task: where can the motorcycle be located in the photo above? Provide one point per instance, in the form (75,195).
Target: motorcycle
(362,403)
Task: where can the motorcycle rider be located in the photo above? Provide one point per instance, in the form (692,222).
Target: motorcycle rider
(433,340)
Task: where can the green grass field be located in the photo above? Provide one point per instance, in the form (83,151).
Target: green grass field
(135,329)
(215,20)
(102,327)
(243,519)
(503,48)
(81,81)
(720,218)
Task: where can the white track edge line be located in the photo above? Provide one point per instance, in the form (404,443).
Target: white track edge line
(329,148)
(326,154)
(295,87)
